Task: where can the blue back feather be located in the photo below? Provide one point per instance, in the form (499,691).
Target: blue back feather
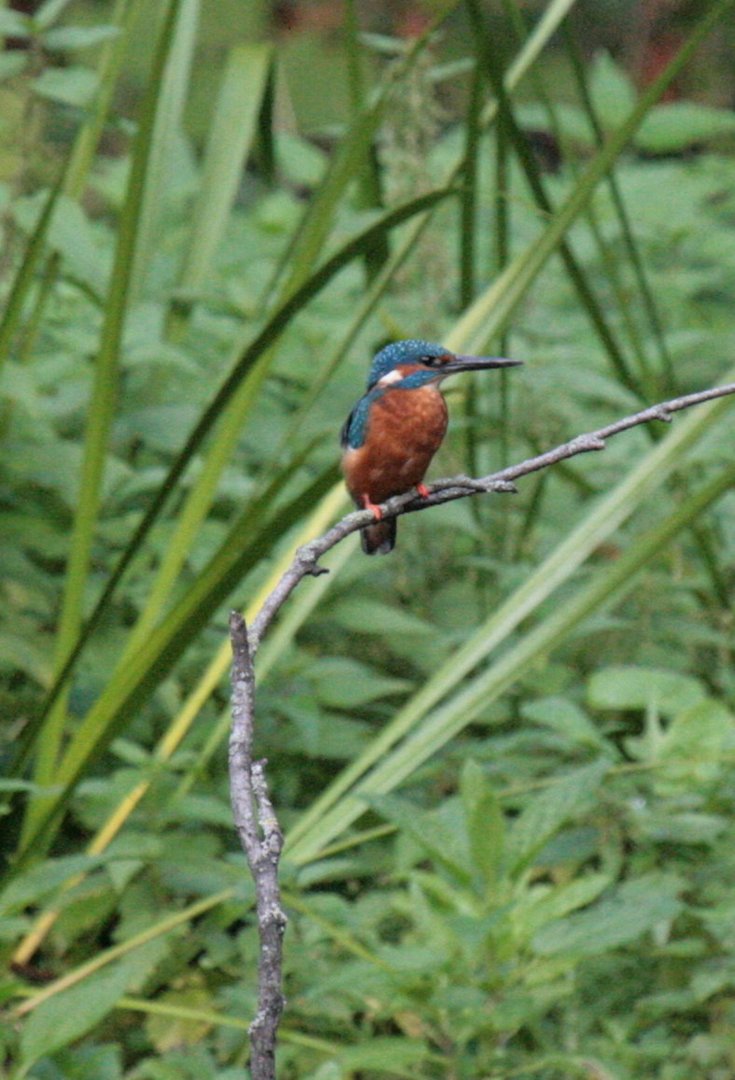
(355,428)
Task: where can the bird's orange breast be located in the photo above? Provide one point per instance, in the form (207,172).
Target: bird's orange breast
(405,429)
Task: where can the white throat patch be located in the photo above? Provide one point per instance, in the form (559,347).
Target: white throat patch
(393,376)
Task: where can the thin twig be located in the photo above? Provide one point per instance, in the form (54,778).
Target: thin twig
(262,841)
(306,559)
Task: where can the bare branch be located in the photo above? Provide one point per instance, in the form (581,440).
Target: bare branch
(262,841)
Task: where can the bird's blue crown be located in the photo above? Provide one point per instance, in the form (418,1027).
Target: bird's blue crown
(401,352)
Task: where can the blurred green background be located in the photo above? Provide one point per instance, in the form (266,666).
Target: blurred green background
(504,756)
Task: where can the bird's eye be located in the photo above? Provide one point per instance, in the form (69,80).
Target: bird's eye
(432,361)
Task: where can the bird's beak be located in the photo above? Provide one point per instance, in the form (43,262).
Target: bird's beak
(477,363)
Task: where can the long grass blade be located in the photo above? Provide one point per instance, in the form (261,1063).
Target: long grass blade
(668,382)
(26,272)
(368,178)
(468,200)
(533,176)
(116,952)
(347,163)
(609,260)
(158,176)
(230,142)
(100,415)
(112,54)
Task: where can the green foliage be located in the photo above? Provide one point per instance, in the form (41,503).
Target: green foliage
(550,895)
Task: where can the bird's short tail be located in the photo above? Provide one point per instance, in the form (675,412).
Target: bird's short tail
(380,538)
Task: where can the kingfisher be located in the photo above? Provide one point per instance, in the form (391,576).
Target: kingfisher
(397,426)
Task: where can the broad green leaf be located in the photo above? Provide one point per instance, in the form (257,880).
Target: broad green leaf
(19,653)
(563,801)
(48,12)
(486,833)
(695,746)
(65,1016)
(543,904)
(167,1032)
(346,684)
(34,885)
(612,89)
(681,124)
(72,235)
(71,85)
(11,64)
(633,909)
(564,717)
(301,161)
(663,827)
(365,616)
(73,1013)
(14,23)
(426,829)
(667,692)
(78,37)
(319,734)
(573,122)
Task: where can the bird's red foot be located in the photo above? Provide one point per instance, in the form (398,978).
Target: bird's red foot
(368,505)
(423,491)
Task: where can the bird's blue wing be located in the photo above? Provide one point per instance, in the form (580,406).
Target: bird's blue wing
(344,435)
(354,429)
